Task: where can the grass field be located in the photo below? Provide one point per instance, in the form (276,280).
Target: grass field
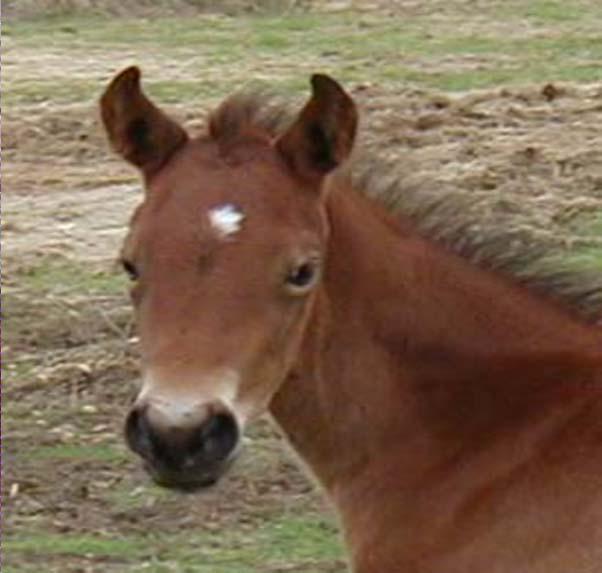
(450,48)
(500,102)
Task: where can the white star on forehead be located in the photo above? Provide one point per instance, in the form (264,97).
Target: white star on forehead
(226,219)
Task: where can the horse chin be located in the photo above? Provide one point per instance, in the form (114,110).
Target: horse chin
(186,482)
(185,486)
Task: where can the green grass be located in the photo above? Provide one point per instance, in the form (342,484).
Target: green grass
(503,75)
(124,497)
(80,545)
(54,304)
(305,539)
(37,90)
(308,540)
(587,256)
(96,452)
(556,11)
(60,275)
(219,54)
(17,370)
(591,225)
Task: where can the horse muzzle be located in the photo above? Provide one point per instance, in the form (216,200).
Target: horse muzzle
(188,456)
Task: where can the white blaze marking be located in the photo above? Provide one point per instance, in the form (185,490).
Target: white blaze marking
(226,219)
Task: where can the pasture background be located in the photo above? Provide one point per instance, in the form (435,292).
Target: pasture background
(501,100)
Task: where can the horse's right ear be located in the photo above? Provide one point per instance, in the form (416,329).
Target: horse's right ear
(322,136)
(138,130)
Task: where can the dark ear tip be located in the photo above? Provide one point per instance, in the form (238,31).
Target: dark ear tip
(320,78)
(130,75)
(324,83)
(126,79)
(125,82)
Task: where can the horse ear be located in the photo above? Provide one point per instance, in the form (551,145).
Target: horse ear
(322,136)
(138,130)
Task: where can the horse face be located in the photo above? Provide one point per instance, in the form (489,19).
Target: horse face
(226,254)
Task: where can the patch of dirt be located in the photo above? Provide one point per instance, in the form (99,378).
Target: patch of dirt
(85,225)
(531,157)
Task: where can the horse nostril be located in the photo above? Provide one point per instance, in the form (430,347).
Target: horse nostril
(138,432)
(217,437)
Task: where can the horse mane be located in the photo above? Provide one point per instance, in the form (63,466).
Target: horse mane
(448,219)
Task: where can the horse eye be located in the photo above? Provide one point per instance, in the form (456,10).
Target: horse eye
(302,277)
(130,269)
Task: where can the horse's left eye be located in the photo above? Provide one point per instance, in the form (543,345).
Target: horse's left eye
(302,277)
(130,269)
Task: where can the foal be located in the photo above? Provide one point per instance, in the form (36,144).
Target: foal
(451,410)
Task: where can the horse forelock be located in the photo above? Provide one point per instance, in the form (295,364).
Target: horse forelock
(249,110)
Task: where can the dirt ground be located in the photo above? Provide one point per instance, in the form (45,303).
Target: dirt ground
(530,157)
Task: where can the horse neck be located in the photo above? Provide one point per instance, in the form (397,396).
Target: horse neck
(415,361)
